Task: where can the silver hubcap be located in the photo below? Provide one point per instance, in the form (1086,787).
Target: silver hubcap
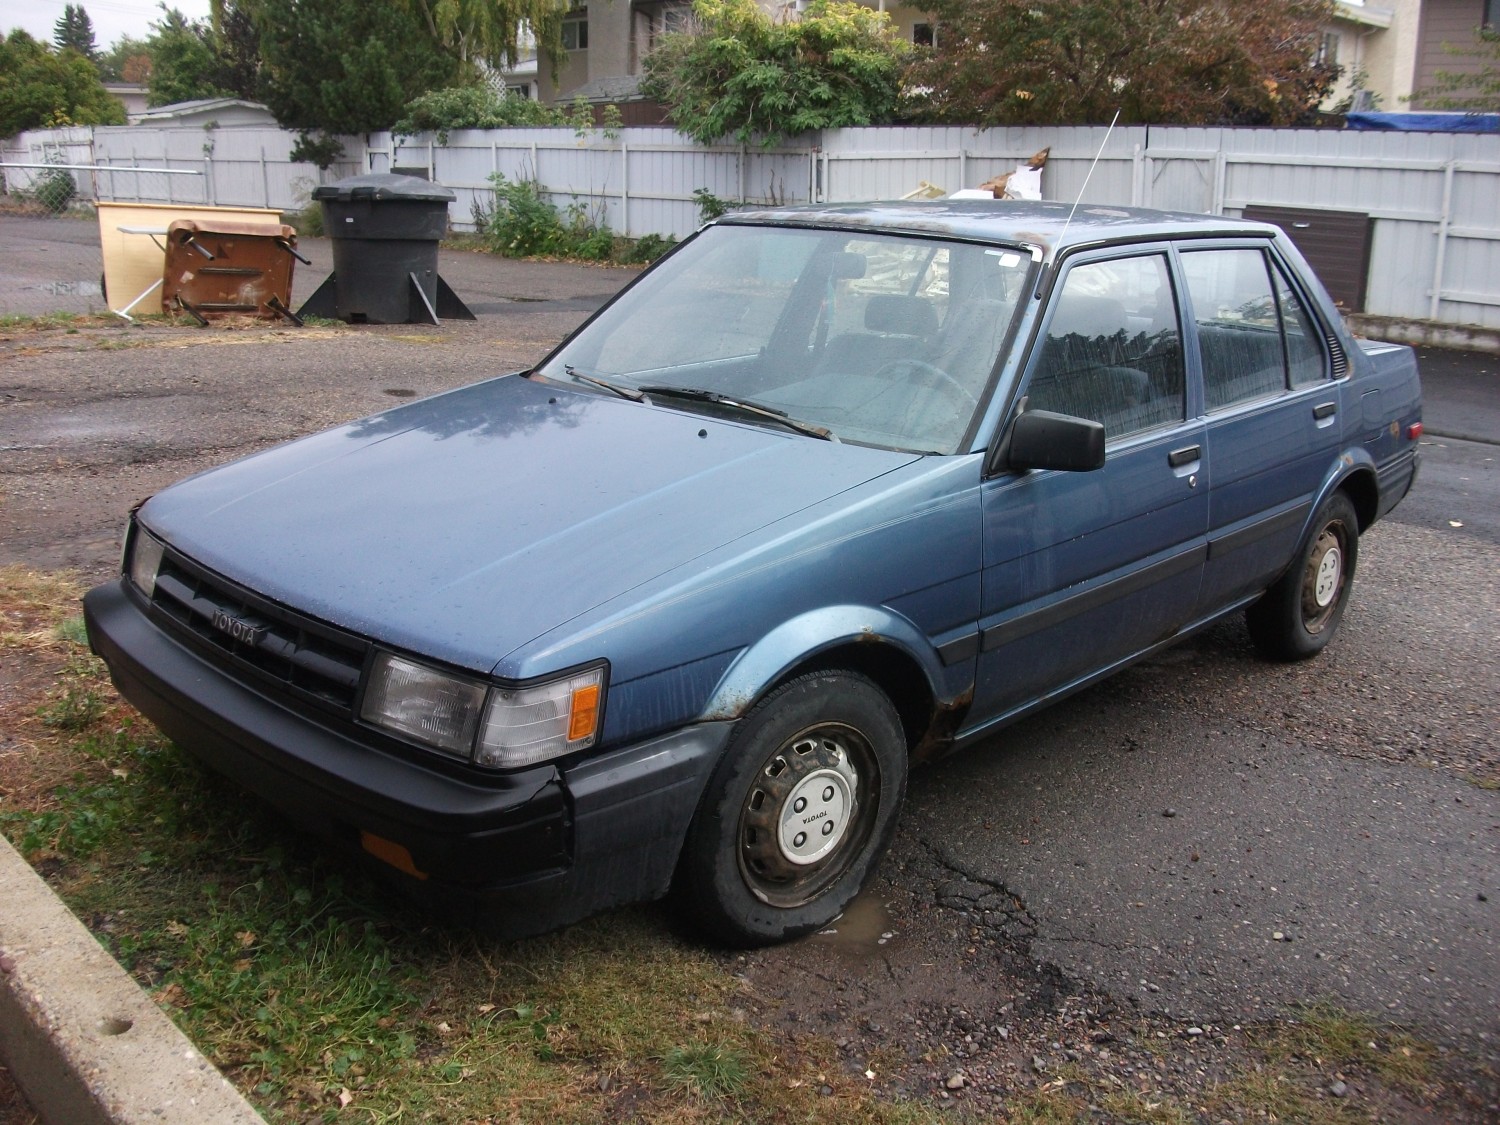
(808,810)
(1326,585)
(816,815)
(1323,581)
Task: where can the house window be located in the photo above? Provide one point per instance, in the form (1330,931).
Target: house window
(925,35)
(1491,16)
(575,32)
(1328,49)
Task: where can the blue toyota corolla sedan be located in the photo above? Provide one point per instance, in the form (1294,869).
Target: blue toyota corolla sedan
(827,492)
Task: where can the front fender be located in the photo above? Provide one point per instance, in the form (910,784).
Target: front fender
(793,642)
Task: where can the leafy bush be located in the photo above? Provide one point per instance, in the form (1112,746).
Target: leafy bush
(522,223)
(54,189)
(480,107)
(740,73)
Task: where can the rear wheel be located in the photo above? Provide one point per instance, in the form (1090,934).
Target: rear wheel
(1297,616)
(797,813)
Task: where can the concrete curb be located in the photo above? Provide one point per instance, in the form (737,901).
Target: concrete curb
(84,1043)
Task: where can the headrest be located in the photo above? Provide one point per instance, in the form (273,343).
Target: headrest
(906,316)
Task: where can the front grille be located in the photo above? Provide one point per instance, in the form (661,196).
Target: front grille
(306,658)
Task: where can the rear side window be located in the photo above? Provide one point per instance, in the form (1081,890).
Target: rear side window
(1255,335)
(1304,351)
(1112,351)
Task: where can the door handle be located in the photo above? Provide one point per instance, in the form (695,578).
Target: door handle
(1325,410)
(1179,457)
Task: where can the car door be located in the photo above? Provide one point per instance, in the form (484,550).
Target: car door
(1272,412)
(1084,569)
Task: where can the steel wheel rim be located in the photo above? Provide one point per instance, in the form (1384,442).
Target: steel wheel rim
(1323,581)
(831,767)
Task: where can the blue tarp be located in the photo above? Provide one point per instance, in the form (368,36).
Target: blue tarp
(1426,122)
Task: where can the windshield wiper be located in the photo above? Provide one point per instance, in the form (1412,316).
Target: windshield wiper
(697,394)
(618,388)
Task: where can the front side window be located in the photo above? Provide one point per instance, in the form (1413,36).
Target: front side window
(1112,350)
(879,339)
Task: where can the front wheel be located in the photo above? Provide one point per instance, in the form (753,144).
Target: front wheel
(1297,616)
(797,813)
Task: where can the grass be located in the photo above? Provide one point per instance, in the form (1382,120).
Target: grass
(321,996)
(17,322)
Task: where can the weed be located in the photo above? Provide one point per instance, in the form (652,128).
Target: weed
(1331,1038)
(308,222)
(710,206)
(71,631)
(79,702)
(643,250)
(705,1070)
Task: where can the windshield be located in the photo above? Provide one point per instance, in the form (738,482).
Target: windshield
(871,338)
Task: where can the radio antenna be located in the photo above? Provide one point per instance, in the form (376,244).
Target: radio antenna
(1086,178)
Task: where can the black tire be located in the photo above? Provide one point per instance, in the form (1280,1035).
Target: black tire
(1299,615)
(749,874)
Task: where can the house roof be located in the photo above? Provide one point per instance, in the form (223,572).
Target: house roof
(200,105)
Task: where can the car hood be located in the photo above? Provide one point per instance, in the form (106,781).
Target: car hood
(465,525)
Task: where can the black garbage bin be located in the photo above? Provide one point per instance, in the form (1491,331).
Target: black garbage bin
(385,230)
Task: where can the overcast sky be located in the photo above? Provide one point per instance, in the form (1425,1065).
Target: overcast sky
(111,18)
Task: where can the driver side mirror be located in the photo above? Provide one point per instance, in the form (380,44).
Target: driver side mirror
(1040,439)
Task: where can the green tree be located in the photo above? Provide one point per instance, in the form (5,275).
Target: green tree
(1477,86)
(74,29)
(333,67)
(125,60)
(474,31)
(1070,62)
(740,73)
(236,43)
(40,88)
(184,61)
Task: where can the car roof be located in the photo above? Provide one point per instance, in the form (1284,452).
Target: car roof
(1052,226)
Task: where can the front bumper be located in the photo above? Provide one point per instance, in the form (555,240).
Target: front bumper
(521,852)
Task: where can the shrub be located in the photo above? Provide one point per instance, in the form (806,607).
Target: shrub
(54,189)
(478,107)
(522,223)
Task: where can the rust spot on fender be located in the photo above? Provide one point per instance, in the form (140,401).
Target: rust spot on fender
(938,739)
(733,707)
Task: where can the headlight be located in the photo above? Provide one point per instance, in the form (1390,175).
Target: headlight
(490,725)
(144,559)
(432,707)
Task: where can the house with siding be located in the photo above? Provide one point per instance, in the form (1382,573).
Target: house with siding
(1394,48)
(1389,48)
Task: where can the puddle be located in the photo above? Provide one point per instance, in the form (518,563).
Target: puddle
(71,288)
(863,929)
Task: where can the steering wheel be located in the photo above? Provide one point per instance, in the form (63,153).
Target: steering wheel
(934,377)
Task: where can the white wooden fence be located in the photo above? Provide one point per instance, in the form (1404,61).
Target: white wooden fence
(233,166)
(1432,197)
